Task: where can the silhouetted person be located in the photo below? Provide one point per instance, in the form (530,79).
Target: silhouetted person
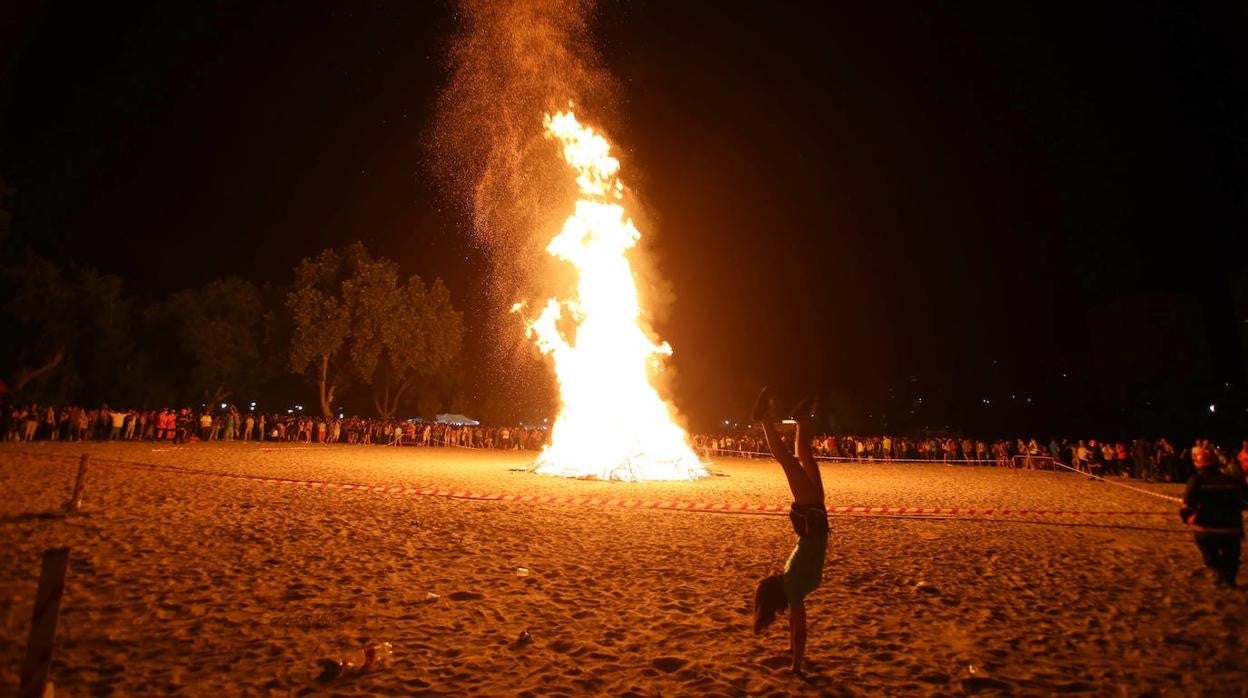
(1211,505)
(809,515)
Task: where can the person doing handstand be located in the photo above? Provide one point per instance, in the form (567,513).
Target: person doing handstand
(809,515)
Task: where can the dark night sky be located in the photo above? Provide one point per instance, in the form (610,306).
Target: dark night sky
(922,198)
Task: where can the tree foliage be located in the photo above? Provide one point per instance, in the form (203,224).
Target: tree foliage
(322,320)
(110,358)
(39,315)
(73,333)
(356,320)
(407,335)
(219,330)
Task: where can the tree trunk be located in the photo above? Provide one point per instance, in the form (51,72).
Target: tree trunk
(25,375)
(219,394)
(394,406)
(326,391)
(382,402)
(388,404)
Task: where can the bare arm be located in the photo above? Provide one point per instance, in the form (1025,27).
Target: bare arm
(809,465)
(797,635)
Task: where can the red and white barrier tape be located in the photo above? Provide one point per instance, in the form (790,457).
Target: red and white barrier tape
(763,509)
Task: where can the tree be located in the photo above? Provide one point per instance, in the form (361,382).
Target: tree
(109,359)
(40,311)
(219,329)
(322,318)
(406,335)
(355,319)
(75,334)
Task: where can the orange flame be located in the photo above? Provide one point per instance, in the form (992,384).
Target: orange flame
(612,423)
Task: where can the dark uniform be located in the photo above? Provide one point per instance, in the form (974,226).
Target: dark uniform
(1212,503)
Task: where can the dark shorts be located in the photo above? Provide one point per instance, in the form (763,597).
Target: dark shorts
(809,519)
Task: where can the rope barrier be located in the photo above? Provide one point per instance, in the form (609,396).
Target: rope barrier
(1123,485)
(729,508)
(864,459)
(1054,461)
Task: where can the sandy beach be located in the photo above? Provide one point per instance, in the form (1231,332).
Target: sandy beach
(182,581)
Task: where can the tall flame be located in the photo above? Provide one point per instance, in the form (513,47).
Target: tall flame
(612,423)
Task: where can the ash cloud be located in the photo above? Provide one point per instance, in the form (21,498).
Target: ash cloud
(510,64)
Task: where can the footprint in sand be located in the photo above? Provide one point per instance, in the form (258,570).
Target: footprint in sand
(465,596)
(668,664)
(776,661)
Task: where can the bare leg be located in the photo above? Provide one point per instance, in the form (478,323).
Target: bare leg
(809,465)
(797,635)
(804,490)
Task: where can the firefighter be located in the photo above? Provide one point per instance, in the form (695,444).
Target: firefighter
(1211,506)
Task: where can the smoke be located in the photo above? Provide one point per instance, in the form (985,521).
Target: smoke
(511,63)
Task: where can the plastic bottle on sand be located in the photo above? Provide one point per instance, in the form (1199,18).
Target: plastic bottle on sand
(357,661)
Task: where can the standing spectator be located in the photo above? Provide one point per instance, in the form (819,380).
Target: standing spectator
(1139,460)
(168,425)
(30,423)
(1081,457)
(118,421)
(1120,459)
(1167,461)
(49,423)
(82,428)
(184,424)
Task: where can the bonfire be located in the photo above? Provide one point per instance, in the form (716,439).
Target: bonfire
(612,423)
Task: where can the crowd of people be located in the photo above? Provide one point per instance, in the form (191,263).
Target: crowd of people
(1150,459)
(73,423)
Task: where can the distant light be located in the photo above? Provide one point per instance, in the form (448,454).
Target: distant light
(1213,408)
(289,411)
(339,415)
(223,405)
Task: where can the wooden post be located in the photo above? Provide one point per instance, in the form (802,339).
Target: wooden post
(80,485)
(43,622)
